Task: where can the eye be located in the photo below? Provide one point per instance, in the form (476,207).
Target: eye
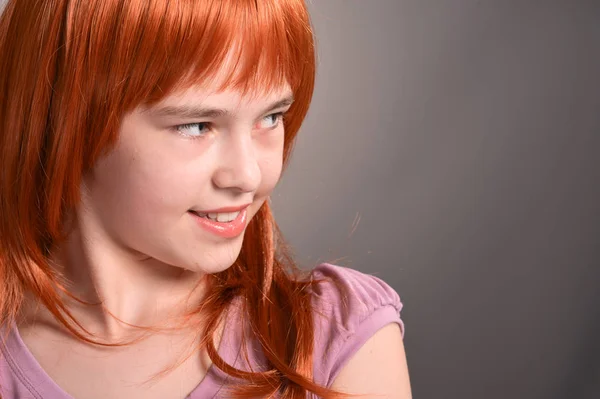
(270,121)
(193,130)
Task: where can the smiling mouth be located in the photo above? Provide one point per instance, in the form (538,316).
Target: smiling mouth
(221,217)
(224,224)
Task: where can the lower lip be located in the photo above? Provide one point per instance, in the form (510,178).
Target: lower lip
(227,229)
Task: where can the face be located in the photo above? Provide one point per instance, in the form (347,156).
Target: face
(197,151)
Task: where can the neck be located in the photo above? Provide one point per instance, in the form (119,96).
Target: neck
(123,288)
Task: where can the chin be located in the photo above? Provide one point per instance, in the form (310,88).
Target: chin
(203,253)
(210,266)
(215,259)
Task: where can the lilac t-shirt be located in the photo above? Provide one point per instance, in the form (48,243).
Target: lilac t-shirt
(342,326)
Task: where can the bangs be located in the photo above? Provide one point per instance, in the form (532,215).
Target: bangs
(165,46)
(97,60)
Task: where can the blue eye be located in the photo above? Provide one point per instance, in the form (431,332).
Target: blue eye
(271,121)
(193,129)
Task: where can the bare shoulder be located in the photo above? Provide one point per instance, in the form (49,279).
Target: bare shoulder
(359,346)
(378,368)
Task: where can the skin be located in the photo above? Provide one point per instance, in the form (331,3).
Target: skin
(378,369)
(136,248)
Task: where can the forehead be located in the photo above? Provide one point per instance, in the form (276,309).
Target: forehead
(228,98)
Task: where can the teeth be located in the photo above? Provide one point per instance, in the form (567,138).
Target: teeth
(222,217)
(227,217)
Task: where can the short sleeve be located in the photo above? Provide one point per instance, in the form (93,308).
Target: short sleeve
(350,307)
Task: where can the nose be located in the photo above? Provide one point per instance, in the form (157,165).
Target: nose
(238,166)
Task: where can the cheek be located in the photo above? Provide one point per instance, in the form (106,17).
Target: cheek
(271,162)
(271,167)
(130,185)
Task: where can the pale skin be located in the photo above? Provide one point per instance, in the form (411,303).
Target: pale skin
(136,248)
(379,368)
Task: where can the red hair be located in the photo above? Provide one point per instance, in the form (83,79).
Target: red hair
(70,71)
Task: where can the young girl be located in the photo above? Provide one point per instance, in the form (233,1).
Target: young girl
(139,143)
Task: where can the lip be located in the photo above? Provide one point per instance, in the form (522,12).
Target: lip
(227,229)
(223,210)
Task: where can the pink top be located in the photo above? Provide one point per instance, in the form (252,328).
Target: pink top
(347,325)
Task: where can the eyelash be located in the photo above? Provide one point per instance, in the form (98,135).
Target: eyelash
(279,115)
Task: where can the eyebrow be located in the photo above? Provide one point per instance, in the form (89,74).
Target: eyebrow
(192,112)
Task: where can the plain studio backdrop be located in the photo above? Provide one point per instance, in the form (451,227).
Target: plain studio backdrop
(453,149)
(465,135)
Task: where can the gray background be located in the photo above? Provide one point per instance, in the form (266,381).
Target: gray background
(452,149)
(465,134)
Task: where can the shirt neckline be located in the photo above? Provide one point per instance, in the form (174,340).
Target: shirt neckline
(33,376)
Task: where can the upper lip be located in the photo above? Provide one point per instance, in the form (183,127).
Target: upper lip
(223,210)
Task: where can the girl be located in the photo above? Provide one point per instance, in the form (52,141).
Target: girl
(139,143)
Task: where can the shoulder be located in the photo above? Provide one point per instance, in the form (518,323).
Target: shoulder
(349,307)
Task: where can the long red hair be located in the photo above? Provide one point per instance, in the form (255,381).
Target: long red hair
(70,70)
